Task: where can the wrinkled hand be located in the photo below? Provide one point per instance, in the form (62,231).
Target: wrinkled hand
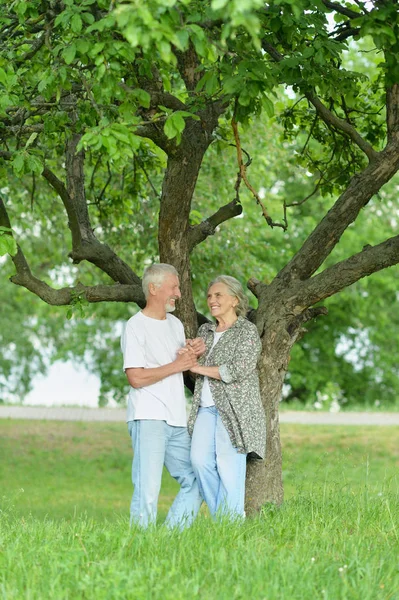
(186,359)
(197,345)
(195,368)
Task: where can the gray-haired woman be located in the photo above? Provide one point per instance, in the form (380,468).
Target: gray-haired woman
(227,421)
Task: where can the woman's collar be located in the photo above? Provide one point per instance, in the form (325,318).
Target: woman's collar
(212,326)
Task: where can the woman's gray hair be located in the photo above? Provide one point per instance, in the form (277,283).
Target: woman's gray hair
(234,288)
(155,274)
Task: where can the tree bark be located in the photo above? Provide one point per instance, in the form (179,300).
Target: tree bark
(264,478)
(175,241)
(178,188)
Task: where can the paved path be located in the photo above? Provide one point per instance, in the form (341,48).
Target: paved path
(118,415)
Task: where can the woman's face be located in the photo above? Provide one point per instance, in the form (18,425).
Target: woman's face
(220,302)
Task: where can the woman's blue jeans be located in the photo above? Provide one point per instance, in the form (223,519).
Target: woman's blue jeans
(220,470)
(155,444)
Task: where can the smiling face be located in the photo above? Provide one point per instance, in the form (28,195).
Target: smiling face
(221,303)
(168,292)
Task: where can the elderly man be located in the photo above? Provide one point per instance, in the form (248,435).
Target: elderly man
(154,363)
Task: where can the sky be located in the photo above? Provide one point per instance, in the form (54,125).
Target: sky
(64,385)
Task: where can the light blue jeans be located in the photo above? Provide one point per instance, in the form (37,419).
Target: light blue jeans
(218,467)
(155,444)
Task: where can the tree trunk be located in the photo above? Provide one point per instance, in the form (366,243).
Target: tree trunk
(173,235)
(264,478)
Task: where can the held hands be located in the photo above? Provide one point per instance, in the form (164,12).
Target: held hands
(197,345)
(187,356)
(186,359)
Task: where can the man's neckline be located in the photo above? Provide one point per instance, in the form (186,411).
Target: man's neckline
(154,318)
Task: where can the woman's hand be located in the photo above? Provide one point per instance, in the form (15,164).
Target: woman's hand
(187,358)
(197,345)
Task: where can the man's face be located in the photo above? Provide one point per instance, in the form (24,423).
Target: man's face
(169,292)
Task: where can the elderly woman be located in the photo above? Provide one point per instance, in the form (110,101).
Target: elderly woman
(227,421)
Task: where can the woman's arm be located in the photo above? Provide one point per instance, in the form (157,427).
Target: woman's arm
(212,372)
(243,361)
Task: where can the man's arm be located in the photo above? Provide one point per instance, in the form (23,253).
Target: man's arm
(140,376)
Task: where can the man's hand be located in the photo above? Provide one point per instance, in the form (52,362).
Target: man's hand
(197,345)
(186,359)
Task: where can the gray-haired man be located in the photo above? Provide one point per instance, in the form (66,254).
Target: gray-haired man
(156,411)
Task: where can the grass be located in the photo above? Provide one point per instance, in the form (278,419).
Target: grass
(373,407)
(67,537)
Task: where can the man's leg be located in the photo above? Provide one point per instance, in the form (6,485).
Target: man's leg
(203,456)
(231,466)
(177,460)
(148,443)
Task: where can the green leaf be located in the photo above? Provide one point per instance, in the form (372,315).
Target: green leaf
(31,139)
(69,53)
(268,106)
(142,96)
(175,124)
(3,77)
(169,128)
(82,46)
(218,4)
(76,23)
(212,84)
(34,164)
(63,17)
(7,244)
(182,37)
(88,18)
(18,164)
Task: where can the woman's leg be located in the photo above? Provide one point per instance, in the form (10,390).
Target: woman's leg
(177,460)
(203,456)
(231,466)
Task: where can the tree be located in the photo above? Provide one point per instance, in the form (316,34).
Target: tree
(96,100)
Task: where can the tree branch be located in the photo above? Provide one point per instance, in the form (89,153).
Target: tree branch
(85,245)
(343,10)
(36,45)
(327,233)
(188,63)
(200,232)
(344,34)
(294,328)
(153,132)
(158,97)
(256,287)
(66,296)
(326,115)
(347,272)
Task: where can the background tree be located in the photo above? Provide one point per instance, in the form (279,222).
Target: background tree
(347,356)
(95,99)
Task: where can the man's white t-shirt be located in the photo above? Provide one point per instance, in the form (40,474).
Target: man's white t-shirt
(149,343)
(206,394)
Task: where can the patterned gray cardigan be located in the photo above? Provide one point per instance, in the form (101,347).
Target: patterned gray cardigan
(236,395)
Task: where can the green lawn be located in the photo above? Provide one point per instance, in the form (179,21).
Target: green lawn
(64,469)
(66,534)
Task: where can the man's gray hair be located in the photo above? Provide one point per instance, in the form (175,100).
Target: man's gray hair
(155,274)
(234,288)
